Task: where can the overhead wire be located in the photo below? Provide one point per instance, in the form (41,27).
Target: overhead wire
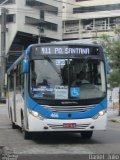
(59,15)
(54,6)
(48,10)
(30,11)
(66,3)
(15,10)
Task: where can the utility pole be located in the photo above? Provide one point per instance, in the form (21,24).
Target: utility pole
(41,24)
(119,101)
(3,49)
(39,35)
(41,30)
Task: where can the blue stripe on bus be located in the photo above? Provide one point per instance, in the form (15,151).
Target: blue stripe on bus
(27,51)
(64,115)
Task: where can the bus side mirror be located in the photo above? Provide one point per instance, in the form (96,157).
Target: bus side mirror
(25,65)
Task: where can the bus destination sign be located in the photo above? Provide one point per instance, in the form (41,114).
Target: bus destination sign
(65,50)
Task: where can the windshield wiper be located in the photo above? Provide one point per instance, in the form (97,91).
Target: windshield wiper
(53,65)
(84,63)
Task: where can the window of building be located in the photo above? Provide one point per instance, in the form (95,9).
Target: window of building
(72,26)
(1,1)
(51,26)
(9,18)
(95,24)
(48,8)
(36,22)
(97,8)
(42,15)
(10,1)
(100,24)
(114,21)
(32,21)
(81,0)
(7,2)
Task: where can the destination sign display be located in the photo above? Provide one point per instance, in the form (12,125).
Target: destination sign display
(64,50)
(71,50)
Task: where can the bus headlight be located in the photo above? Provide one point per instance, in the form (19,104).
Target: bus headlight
(35,114)
(100,113)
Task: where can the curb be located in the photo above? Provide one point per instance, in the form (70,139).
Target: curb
(115,120)
(2,104)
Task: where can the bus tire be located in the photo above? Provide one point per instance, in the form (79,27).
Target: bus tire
(26,134)
(14,126)
(86,134)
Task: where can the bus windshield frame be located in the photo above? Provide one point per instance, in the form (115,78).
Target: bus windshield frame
(63,91)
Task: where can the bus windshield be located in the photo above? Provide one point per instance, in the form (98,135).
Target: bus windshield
(67,79)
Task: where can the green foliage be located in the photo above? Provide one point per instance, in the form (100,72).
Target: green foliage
(112,46)
(114,79)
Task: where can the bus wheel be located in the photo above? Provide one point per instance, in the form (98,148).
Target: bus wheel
(26,134)
(14,126)
(86,134)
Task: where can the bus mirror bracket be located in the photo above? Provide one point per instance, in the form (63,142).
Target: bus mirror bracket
(25,66)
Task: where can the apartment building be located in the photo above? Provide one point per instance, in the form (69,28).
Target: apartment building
(90,18)
(28,21)
(24,22)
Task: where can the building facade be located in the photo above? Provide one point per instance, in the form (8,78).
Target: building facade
(90,18)
(24,22)
(30,21)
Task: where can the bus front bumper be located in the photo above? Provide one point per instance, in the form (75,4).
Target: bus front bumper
(44,125)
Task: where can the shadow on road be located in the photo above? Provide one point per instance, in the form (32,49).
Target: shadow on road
(60,138)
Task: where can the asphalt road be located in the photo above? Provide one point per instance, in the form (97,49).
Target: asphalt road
(58,146)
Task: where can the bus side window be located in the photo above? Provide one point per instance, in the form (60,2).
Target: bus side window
(33,73)
(11,81)
(19,78)
(22,83)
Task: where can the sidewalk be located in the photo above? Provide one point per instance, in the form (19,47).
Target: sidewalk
(113,115)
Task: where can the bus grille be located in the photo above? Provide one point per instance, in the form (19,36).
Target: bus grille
(78,126)
(68,108)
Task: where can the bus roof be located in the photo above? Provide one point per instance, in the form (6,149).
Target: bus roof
(60,43)
(66,43)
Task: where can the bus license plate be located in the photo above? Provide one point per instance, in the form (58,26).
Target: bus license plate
(69,125)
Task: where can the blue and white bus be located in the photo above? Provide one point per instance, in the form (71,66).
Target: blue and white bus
(47,93)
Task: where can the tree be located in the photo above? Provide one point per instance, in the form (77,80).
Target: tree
(114,79)
(112,47)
